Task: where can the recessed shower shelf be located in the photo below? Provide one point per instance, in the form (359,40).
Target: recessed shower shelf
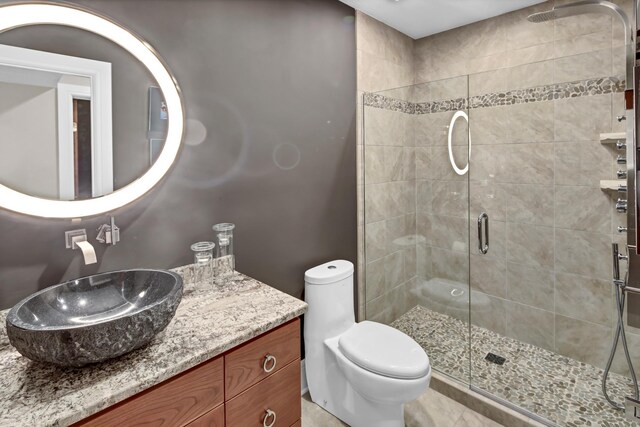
(612,138)
(612,184)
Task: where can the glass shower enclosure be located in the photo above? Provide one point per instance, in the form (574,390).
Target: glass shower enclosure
(489,216)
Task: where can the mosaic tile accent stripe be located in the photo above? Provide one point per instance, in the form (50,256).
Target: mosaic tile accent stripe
(589,87)
(380,101)
(442,106)
(558,388)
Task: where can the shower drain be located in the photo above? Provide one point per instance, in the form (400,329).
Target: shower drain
(494,358)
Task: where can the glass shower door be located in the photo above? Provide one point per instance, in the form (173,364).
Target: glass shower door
(416,149)
(442,285)
(542,313)
(512,193)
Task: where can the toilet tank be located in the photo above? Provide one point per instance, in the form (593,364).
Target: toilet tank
(329,293)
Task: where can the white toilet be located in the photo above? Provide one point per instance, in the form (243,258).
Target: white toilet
(363,373)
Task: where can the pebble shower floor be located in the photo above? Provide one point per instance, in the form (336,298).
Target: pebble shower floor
(558,388)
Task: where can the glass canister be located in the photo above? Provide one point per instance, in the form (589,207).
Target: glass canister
(203,268)
(224,240)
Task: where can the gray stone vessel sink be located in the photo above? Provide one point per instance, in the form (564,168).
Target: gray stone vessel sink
(94,318)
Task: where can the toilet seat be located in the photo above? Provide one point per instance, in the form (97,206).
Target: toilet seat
(384,350)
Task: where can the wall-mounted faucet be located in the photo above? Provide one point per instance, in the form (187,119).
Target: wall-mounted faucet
(109,234)
(77,239)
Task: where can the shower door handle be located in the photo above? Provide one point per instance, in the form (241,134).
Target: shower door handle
(483,241)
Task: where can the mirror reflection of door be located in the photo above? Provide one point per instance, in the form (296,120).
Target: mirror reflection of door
(82,148)
(72,157)
(75,143)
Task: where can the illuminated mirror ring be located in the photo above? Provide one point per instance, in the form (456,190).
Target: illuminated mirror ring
(455,117)
(26,14)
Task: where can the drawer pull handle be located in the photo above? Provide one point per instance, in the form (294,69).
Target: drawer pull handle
(269,364)
(269,414)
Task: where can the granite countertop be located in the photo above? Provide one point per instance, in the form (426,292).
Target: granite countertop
(209,321)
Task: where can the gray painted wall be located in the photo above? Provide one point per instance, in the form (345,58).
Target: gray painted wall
(268,80)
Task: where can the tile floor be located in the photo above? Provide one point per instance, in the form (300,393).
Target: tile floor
(432,409)
(567,393)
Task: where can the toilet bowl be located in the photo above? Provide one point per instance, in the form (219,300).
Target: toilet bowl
(363,373)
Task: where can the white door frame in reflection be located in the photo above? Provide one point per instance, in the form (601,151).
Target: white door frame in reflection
(26,14)
(101,157)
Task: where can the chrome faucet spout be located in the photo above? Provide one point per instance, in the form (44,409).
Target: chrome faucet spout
(77,239)
(88,252)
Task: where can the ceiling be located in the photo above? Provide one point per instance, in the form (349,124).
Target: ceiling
(420,18)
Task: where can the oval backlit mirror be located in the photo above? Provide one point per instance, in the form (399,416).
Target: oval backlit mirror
(91,118)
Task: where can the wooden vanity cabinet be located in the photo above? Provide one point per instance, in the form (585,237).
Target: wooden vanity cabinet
(275,393)
(255,360)
(175,402)
(264,375)
(213,418)
(258,379)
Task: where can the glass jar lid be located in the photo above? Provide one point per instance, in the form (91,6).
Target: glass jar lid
(224,226)
(203,246)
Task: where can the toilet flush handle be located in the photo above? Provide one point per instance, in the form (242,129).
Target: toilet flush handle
(269,363)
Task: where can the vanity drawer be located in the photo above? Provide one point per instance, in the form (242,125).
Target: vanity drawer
(213,418)
(175,402)
(297,424)
(248,364)
(279,393)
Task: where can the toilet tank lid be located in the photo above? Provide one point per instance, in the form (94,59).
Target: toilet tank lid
(329,272)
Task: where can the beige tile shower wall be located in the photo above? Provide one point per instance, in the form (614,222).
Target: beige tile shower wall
(389,213)
(442,214)
(384,61)
(509,41)
(385,56)
(536,169)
